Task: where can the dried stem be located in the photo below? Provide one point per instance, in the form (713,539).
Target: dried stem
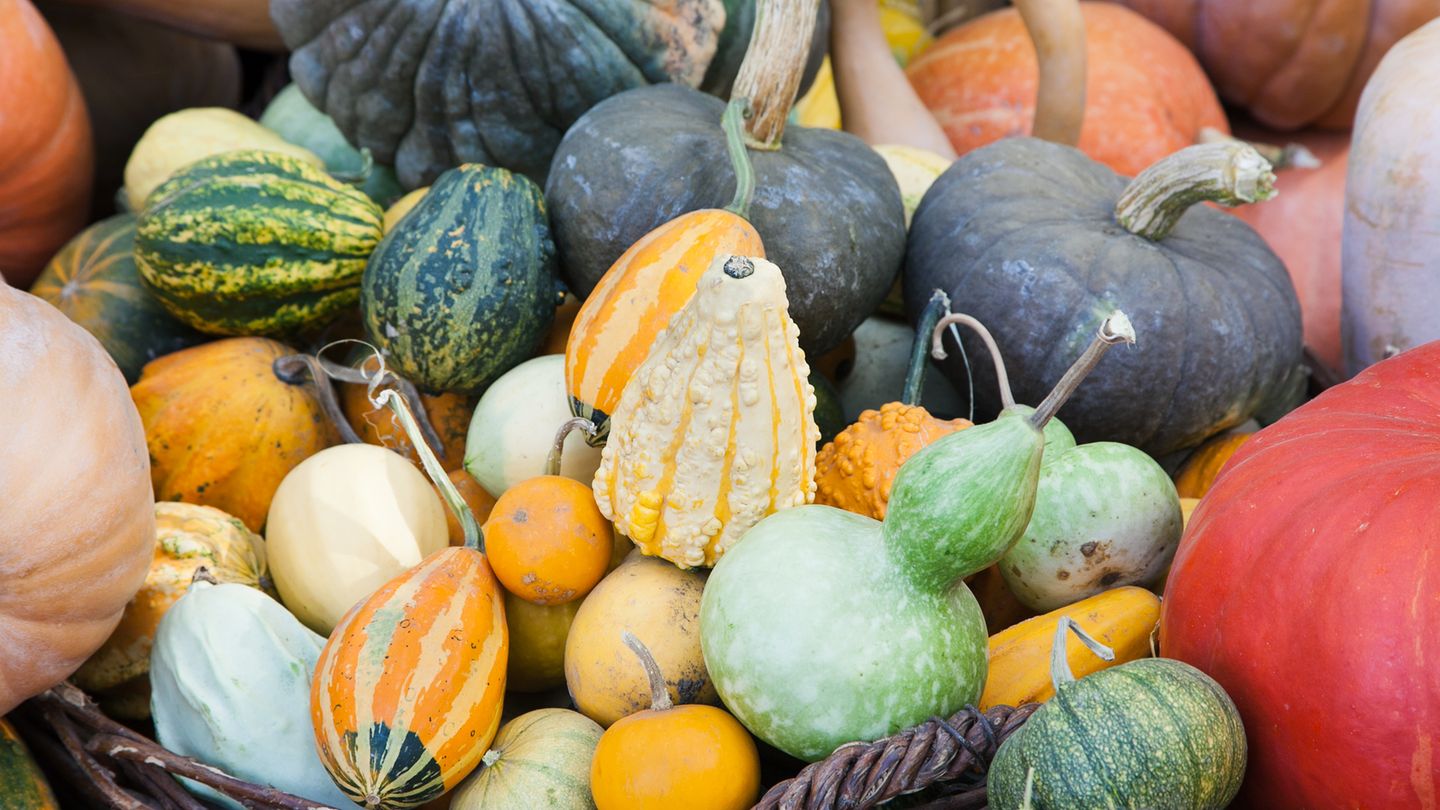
(557,449)
(935,308)
(659,690)
(294,368)
(937,350)
(774,64)
(1229,173)
(1115,329)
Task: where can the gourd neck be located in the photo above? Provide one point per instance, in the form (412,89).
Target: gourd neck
(774,63)
(1060,673)
(659,691)
(1229,173)
(733,123)
(557,449)
(1057,30)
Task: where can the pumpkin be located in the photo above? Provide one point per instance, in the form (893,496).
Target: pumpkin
(78,527)
(1147,733)
(475,497)
(22,783)
(1337,498)
(537,643)
(716,429)
(296,120)
(449,415)
(243,22)
(691,756)
(255,242)
(1123,619)
(464,288)
(188,136)
(1288,64)
(403,206)
(199,408)
(1177,270)
(94,281)
(1144,94)
(840,257)
(660,604)
(1388,265)
(187,537)
(541,758)
(231,674)
(513,427)
(1202,466)
(45,169)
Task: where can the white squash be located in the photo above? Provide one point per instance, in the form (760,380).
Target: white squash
(344,522)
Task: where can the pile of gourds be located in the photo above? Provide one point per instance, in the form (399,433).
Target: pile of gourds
(518,412)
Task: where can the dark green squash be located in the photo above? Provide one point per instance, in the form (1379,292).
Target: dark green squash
(825,204)
(464,287)
(296,120)
(1025,235)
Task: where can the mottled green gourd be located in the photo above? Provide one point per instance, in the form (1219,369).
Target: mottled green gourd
(822,626)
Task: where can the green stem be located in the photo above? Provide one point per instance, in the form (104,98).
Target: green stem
(552,461)
(733,122)
(1060,673)
(934,310)
(937,350)
(1115,329)
(1225,172)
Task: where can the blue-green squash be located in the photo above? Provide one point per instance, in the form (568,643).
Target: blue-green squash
(255,243)
(22,784)
(464,287)
(295,119)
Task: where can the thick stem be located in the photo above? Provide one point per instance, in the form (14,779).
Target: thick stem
(1060,673)
(937,350)
(733,124)
(1115,329)
(935,309)
(202,574)
(1226,172)
(294,368)
(659,691)
(1058,33)
(1290,156)
(557,449)
(774,64)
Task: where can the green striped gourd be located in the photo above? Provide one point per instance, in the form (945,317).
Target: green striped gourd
(539,759)
(255,243)
(464,287)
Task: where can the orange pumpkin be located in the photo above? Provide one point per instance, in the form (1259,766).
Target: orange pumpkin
(46,155)
(475,496)
(448,413)
(243,22)
(77,524)
(1203,465)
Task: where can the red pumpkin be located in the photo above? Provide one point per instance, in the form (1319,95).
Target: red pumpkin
(1308,585)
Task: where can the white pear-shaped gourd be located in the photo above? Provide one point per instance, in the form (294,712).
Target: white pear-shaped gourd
(716,429)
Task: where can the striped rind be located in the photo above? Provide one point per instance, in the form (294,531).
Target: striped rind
(542,759)
(407,692)
(255,242)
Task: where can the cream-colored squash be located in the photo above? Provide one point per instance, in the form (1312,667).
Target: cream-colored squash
(915,169)
(402,206)
(343,523)
(716,429)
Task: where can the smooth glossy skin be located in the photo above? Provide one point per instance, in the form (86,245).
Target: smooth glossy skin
(692,757)
(547,541)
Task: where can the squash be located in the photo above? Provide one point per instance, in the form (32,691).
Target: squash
(78,526)
(1202,466)
(295,119)
(691,756)
(1325,521)
(560,328)
(1096,242)
(255,242)
(879,367)
(539,759)
(537,643)
(449,415)
(827,208)
(187,537)
(464,288)
(660,604)
(475,497)
(403,206)
(1388,269)
(1124,619)
(243,22)
(22,783)
(1145,96)
(45,168)
(188,136)
(94,281)
(915,170)
(716,429)
(199,408)
(344,522)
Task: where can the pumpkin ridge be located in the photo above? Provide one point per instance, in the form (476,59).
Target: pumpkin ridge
(1097,769)
(1163,702)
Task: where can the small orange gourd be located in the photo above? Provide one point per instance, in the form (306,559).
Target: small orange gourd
(546,539)
(1200,469)
(692,756)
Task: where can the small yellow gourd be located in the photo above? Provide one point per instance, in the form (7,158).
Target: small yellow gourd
(716,429)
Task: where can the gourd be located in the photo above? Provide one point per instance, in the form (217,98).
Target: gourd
(1177,269)
(230,674)
(243,22)
(511,430)
(716,429)
(45,168)
(839,257)
(187,537)
(1123,619)
(22,783)
(692,756)
(94,281)
(880,630)
(344,522)
(1388,265)
(539,759)
(293,117)
(448,414)
(1324,521)
(880,365)
(660,604)
(463,289)
(915,170)
(1147,733)
(206,446)
(1201,468)
(255,242)
(78,525)
(537,643)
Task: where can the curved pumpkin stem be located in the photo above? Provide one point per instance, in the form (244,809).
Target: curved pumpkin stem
(1057,31)
(774,64)
(294,368)
(935,309)
(1060,673)
(732,122)
(552,461)
(659,691)
(937,350)
(1115,329)
(1227,172)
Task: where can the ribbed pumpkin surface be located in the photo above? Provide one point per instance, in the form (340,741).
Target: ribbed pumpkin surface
(23,786)
(255,243)
(407,691)
(539,759)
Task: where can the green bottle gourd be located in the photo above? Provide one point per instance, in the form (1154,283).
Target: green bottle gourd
(821,626)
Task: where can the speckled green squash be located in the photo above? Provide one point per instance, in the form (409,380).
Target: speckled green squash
(464,287)
(255,243)
(539,759)
(22,785)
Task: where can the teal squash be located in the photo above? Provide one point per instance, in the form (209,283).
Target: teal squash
(255,243)
(296,120)
(94,281)
(464,287)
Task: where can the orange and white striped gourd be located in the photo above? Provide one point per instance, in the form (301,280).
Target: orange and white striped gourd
(716,429)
